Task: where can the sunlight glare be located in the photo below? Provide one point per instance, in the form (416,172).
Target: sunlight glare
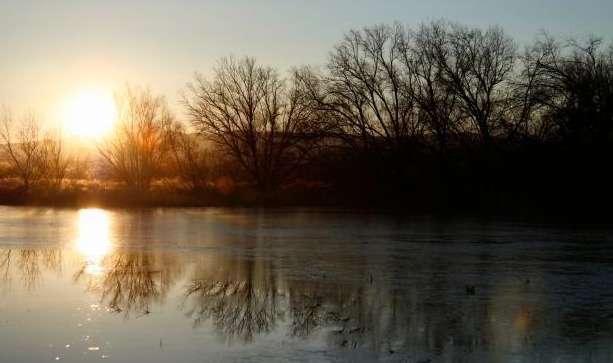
(93,240)
(90,114)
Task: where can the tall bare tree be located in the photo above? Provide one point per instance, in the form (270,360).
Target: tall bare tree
(53,160)
(527,119)
(21,145)
(477,67)
(136,150)
(367,95)
(192,161)
(369,88)
(258,118)
(575,84)
(438,105)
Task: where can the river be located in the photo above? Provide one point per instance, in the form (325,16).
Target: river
(207,285)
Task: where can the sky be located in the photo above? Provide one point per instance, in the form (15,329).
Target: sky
(52,50)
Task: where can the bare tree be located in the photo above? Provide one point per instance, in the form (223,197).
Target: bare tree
(256,117)
(21,145)
(53,160)
(575,85)
(367,95)
(368,76)
(527,117)
(136,150)
(477,67)
(438,105)
(192,161)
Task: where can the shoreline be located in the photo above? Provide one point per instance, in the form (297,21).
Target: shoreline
(172,199)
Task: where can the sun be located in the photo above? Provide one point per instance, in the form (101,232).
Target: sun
(89,114)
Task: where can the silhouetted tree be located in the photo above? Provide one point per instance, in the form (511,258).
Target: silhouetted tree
(526,119)
(53,160)
(255,116)
(576,83)
(477,66)
(21,145)
(36,158)
(439,107)
(193,162)
(137,149)
(370,96)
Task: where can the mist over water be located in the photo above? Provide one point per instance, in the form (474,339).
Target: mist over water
(193,285)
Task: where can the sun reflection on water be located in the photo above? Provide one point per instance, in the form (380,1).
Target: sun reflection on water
(93,240)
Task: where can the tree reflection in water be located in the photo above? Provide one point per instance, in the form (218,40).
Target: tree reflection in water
(128,280)
(351,316)
(238,298)
(30,264)
(244,297)
(5,269)
(307,312)
(131,280)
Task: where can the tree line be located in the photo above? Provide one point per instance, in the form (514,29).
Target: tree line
(442,115)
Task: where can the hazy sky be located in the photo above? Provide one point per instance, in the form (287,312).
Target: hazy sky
(51,49)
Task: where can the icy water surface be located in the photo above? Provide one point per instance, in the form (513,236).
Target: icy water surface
(207,285)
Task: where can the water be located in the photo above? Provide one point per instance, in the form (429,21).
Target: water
(206,285)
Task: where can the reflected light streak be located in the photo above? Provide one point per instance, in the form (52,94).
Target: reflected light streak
(93,240)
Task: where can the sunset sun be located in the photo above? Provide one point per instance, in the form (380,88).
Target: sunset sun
(89,114)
